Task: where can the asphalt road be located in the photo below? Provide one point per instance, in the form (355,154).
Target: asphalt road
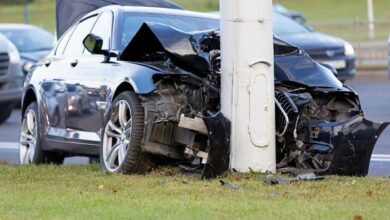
(9,137)
(375,100)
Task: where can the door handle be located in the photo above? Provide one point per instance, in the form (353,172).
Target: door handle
(74,63)
(47,63)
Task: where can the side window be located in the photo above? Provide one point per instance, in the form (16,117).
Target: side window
(75,45)
(103,28)
(64,40)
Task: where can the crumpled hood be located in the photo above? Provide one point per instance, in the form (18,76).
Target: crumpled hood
(314,41)
(185,49)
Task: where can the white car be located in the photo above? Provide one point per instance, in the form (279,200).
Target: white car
(11,78)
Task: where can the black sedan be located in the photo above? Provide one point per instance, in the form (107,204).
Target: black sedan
(321,47)
(135,84)
(33,43)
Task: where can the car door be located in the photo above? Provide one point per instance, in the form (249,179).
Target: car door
(86,86)
(53,91)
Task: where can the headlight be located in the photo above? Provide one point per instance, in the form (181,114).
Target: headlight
(27,66)
(14,56)
(348,50)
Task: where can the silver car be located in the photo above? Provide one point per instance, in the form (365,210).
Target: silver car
(11,78)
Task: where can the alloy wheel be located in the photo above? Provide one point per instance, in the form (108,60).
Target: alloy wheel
(28,138)
(117,136)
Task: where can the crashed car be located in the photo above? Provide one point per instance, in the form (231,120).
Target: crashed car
(140,86)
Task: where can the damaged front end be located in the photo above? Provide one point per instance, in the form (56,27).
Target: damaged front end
(323,131)
(320,124)
(182,115)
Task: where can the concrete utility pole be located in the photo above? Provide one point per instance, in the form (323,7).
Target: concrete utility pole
(248,82)
(371,19)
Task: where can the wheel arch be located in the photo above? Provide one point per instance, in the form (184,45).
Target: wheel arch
(29,97)
(141,83)
(124,86)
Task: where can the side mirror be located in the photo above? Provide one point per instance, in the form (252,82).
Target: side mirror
(93,44)
(331,68)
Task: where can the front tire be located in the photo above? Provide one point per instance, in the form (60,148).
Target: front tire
(122,136)
(30,148)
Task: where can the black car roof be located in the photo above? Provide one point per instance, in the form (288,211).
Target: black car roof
(69,11)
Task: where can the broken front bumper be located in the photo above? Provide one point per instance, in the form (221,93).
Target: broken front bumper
(353,142)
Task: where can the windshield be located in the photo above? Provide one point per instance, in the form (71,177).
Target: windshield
(29,40)
(132,23)
(285,26)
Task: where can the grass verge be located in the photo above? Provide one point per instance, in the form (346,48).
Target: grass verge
(84,192)
(338,10)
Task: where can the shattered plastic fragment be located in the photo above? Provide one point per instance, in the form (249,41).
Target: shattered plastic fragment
(309,177)
(275,180)
(229,185)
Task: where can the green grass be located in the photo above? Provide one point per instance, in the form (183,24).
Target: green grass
(42,13)
(83,192)
(338,10)
(344,18)
(199,5)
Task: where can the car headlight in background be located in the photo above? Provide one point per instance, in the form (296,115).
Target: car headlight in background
(26,67)
(14,56)
(348,49)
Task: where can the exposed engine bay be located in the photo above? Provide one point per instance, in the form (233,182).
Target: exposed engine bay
(319,126)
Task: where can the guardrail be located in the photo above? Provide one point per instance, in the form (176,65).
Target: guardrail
(369,51)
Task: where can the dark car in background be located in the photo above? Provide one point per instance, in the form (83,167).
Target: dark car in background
(296,16)
(11,78)
(322,48)
(33,43)
(137,84)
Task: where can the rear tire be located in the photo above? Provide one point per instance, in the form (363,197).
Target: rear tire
(6,111)
(30,148)
(122,136)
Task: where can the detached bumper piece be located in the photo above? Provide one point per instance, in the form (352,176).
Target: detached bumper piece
(323,131)
(353,142)
(347,151)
